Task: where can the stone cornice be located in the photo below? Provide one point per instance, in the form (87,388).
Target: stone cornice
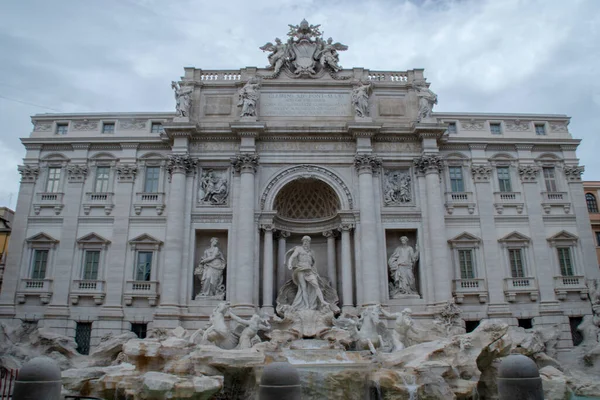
(247,129)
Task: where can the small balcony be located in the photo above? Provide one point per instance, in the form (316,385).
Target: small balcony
(149,200)
(570,284)
(560,199)
(98,200)
(88,288)
(141,289)
(41,288)
(460,199)
(48,200)
(470,287)
(514,286)
(508,199)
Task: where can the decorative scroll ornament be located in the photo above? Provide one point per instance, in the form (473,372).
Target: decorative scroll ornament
(181,163)
(528,173)
(471,125)
(77,172)
(214,188)
(245,162)
(132,124)
(573,172)
(517,125)
(305,54)
(429,163)
(29,173)
(85,125)
(42,127)
(183,99)
(367,163)
(398,190)
(481,172)
(126,172)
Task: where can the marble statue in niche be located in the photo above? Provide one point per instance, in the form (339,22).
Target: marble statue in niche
(213,188)
(427,99)
(306,290)
(402,266)
(248,96)
(397,186)
(210,271)
(183,99)
(360,99)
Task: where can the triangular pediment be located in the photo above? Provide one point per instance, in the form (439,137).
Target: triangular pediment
(92,238)
(145,239)
(515,237)
(464,238)
(41,238)
(563,235)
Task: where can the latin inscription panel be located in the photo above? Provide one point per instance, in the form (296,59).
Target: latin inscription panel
(285,104)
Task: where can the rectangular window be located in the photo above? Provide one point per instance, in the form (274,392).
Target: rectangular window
(53,182)
(40,262)
(108,127)
(504,179)
(465,259)
(456,179)
(565,261)
(156,127)
(550,179)
(525,323)
(598,238)
(151,182)
(451,127)
(139,329)
(495,128)
(83,334)
(61,129)
(517,269)
(575,333)
(540,129)
(101,184)
(90,267)
(143,266)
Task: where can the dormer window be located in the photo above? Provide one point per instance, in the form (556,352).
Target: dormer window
(62,128)
(108,127)
(156,127)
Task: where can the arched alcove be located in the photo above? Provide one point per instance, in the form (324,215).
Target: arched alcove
(306,199)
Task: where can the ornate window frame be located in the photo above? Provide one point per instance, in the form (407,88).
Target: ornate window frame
(150,199)
(564,239)
(142,289)
(94,288)
(37,287)
(475,286)
(527,284)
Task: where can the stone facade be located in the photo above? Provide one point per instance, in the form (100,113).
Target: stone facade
(116,211)
(592,196)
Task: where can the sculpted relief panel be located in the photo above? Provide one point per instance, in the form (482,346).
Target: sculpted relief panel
(213,189)
(397,187)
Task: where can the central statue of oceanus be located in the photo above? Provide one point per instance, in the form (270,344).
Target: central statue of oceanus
(306,290)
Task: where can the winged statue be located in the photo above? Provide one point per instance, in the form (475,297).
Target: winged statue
(328,54)
(279,54)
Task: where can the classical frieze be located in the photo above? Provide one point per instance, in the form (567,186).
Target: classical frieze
(558,127)
(428,163)
(518,125)
(213,188)
(471,125)
(29,173)
(245,162)
(133,124)
(85,125)
(42,127)
(305,146)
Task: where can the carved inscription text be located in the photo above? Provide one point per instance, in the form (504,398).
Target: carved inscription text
(305,104)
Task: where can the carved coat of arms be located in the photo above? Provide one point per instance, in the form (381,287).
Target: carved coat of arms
(305,54)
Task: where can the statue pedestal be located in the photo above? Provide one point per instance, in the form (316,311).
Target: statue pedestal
(405,296)
(181,120)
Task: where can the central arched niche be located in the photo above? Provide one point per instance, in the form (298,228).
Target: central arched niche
(306,199)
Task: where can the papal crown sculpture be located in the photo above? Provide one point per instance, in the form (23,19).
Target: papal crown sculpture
(305,54)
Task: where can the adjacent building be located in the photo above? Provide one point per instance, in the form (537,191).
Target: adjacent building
(592,193)
(118,213)
(6,218)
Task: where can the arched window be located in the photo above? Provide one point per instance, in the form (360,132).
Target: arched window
(592,204)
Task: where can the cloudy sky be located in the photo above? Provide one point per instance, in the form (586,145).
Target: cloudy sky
(522,56)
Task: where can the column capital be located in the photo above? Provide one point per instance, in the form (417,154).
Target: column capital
(481,172)
(573,172)
(428,163)
(245,162)
(77,172)
(29,173)
(126,172)
(346,227)
(329,234)
(528,172)
(283,234)
(368,163)
(267,227)
(181,163)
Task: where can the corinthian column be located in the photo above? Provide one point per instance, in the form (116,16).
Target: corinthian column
(267,292)
(283,235)
(245,164)
(178,166)
(431,165)
(369,270)
(347,298)
(330,235)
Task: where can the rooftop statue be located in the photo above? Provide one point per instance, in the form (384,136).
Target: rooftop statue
(427,99)
(305,54)
(249,95)
(183,99)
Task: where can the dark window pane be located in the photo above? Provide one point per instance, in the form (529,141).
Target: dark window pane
(83,334)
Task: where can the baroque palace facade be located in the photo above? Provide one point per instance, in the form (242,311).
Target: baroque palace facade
(145,220)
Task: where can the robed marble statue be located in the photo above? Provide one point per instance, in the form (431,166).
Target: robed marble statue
(401,265)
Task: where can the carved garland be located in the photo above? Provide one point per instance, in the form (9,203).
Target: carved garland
(481,172)
(573,172)
(310,170)
(528,173)
(429,163)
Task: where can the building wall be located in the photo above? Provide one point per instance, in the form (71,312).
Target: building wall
(593,188)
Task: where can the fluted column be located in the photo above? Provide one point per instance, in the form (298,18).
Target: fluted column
(431,165)
(347,298)
(281,245)
(365,164)
(267,290)
(245,164)
(178,166)
(331,270)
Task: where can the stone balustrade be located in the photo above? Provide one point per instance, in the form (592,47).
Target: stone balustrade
(48,200)
(35,287)
(150,200)
(525,285)
(98,200)
(141,289)
(470,287)
(565,284)
(459,199)
(88,288)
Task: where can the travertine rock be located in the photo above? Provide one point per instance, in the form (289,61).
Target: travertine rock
(555,384)
(108,350)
